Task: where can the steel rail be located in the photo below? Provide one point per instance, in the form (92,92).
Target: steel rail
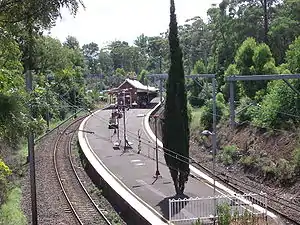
(81,184)
(76,214)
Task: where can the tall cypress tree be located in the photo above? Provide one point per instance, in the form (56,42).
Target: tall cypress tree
(175,124)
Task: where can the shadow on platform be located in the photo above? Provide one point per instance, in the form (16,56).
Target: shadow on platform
(164,205)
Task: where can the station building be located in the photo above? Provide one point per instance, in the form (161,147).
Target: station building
(133,93)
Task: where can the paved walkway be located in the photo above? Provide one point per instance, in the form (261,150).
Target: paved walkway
(136,171)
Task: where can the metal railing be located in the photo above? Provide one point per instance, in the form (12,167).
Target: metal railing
(233,207)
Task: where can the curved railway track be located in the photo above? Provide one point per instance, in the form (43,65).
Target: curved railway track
(81,205)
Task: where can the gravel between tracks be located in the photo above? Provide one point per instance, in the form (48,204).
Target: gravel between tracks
(52,205)
(112,215)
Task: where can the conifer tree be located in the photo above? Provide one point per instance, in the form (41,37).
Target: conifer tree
(175,124)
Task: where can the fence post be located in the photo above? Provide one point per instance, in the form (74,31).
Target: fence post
(266,208)
(170,216)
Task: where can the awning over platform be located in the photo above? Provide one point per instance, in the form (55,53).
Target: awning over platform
(134,84)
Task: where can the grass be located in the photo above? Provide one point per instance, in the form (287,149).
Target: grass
(195,125)
(11,212)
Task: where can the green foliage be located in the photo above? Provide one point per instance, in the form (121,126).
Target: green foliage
(244,111)
(142,76)
(42,13)
(244,56)
(296,160)
(262,55)
(4,173)
(206,118)
(198,90)
(228,155)
(249,161)
(197,222)
(277,106)
(4,170)
(195,124)
(285,171)
(224,214)
(11,212)
(230,71)
(253,58)
(12,92)
(293,56)
(199,67)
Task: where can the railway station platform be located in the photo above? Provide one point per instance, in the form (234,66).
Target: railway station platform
(137,171)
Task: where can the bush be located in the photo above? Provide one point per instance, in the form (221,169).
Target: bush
(228,155)
(296,160)
(285,171)
(195,125)
(277,106)
(269,169)
(249,161)
(206,118)
(4,172)
(244,110)
(224,214)
(11,212)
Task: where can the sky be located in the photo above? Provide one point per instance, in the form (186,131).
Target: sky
(103,21)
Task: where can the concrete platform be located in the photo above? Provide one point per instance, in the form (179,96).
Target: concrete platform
(137,171)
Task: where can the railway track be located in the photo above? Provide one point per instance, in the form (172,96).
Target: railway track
(80,203)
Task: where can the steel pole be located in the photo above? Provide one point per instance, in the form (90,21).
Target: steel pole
(214,139)
(157,173)
(161,88)
(231,101)
(124,121)
(118,120)
(30,133)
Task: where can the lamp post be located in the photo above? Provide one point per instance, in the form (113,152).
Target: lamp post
(214,144)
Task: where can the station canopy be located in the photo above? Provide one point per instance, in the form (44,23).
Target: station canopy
(135,84)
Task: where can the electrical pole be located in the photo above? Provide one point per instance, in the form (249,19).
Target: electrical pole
(124,121)
(214,140)
(74,97)
(160,81)
(30,138)
(157,173)
(47,113)
(118,121)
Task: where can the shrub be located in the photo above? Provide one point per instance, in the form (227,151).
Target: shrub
(269,169)
(195,124)
(228,155)
(249,161)
(11,212)
(285,171)
(224,215)
(243,111)
(296,160)
(206,118)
